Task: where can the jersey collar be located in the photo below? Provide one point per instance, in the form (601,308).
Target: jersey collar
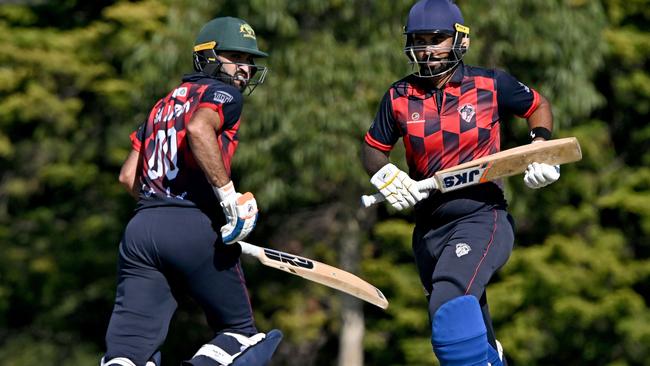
(458,73)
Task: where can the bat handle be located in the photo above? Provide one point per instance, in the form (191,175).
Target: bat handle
(250,249)
(372,199)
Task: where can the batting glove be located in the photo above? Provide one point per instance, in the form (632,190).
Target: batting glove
(540,175)
(240,211)
(399,189)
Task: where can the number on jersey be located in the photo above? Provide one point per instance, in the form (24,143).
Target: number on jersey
(164,157)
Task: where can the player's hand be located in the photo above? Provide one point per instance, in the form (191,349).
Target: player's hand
(240,211)
(399,189)
(540,175)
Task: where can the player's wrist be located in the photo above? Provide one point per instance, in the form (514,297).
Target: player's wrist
(225,192)
(540,134)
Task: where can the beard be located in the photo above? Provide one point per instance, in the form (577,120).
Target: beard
(433,67)
(430,70)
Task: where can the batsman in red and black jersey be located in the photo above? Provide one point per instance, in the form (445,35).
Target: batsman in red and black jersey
(170,174)
(189,216)
(448,113)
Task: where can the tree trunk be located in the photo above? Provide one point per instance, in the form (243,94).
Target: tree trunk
(352,331)
(353,325)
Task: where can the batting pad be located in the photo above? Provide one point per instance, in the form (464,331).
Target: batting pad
(458,333)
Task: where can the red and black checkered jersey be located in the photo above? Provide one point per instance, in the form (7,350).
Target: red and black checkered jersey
(169,174)
(464,127)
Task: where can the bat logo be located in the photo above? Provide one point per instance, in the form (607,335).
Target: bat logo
(463,178)
(289,259)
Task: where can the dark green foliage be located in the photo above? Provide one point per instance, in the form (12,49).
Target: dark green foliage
(76,77)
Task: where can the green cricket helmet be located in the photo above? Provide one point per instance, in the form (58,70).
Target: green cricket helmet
(228,34)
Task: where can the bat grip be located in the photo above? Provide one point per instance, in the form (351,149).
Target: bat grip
(423,185)
(250,249)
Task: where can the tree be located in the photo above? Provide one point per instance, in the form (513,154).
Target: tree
(77,77)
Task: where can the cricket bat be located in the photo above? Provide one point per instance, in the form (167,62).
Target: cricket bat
(317,272)
(502,164)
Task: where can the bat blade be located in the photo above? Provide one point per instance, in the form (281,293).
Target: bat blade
(509,162)
(318,272)
(499,165)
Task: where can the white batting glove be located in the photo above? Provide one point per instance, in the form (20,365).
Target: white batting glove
(240,211)
(399,189)
(540,175)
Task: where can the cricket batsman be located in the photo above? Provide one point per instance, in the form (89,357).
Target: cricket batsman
(189,213)
(448,113)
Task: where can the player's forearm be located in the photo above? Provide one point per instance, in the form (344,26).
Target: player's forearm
(202,138)
(128,173)
(541,117)
(373,159)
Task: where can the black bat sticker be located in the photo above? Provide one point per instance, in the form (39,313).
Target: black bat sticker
(289,259)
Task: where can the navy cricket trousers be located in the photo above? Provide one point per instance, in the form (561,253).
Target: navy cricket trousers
(166,251)
(459,257)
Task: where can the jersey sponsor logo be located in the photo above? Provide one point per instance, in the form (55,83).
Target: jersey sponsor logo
(463,178)
(467,112)
(222,97)
(415,118)
(462,249)
(148,192)
(180,92)
(289,259)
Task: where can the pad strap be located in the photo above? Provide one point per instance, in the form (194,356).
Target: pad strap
(122,361)
(216,353)
(118,361)
(224,358)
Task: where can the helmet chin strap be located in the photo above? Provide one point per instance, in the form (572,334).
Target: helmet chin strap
(230,79)
(215,70)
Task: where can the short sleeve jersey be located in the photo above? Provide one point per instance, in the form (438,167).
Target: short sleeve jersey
(169,174)
(463,127)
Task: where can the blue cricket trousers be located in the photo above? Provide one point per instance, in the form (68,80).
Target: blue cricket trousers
(165,252)
(459,248)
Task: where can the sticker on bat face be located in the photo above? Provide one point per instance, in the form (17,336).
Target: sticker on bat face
(463,178)
(289,259)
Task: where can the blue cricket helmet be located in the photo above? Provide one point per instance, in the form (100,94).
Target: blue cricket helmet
(435,17)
